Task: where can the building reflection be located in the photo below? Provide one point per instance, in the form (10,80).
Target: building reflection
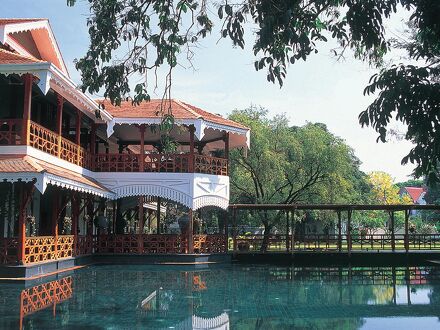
(219,298)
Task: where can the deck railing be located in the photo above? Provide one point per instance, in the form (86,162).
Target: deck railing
(52,143)
(334,242)
(168,163)
(8,250)
(10,131)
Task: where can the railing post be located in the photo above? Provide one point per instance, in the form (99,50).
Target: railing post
(75,216)
(234,229)
(407,212)
(25,195)
(141,224)
(226,225)
(158,216)
(190,232)
(78,136)
(339,230)
(55,211)
(142,148)
(349,231)
(393,237)
(93,145)
(287,230)
(60,104)
(191,149)
(27,105)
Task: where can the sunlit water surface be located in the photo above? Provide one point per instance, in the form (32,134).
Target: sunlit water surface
(226,297)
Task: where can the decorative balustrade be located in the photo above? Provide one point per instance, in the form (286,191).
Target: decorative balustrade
(50,142)
(44,248)
(85,245)
(117,162)
(215,243)
(172,163)
(43,139)
(210,165)
(69,151)
(168,163)
(8,250)
(10,131)
(44,295)
(140,244)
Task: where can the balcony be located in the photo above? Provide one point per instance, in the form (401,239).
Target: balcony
(54,144)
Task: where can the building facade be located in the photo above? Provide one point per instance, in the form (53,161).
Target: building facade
(81,176)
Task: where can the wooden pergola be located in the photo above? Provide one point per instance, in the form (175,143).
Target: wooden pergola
(339,209)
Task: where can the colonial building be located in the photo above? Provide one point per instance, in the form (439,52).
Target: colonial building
(81,176)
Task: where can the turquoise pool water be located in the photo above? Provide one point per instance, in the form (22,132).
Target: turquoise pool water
(227,297)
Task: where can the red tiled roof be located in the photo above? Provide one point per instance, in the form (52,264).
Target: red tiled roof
(415,192)
(27,164)
(152,109)
(7,57)
(4,21)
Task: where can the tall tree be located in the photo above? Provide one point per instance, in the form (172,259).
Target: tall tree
(290,165)
(155,32)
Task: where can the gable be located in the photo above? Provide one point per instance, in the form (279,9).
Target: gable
(32,38)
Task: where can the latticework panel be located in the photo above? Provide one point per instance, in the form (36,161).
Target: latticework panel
(140,244)
(64,246)
(8,250)
(84,245)
(43,139)
(37,249)
(10,131)
(161,244)
(44,295)
(69,151)
(210,165)
(215,243)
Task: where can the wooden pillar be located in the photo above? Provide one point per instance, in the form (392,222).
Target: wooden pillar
(142,151)
(78,136)
(226,232)
(349,231)
(158,216)
(226,139)
(140,224)
(191,149)
(339,231)
(26,191)
(93,144)
(27,105)
(407,212)
(59,126)
(190,232)
(75,218)
(55,213)
(287,230)
(114,217)
(141,215)
(234,229)
(393,236)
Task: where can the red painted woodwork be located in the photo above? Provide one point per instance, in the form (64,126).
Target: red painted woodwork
(43,139)
(85,245)
(46,248)
(10,131)
(150,244)
(27,103)
(8,250)
(215,243)
(45,295)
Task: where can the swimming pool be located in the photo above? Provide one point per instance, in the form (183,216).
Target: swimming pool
(227,297)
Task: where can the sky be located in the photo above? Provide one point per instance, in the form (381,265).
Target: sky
(320,89)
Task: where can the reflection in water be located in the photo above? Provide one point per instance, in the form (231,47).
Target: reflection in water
(227,297)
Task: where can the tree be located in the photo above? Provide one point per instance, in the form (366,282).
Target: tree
(155,33)
(383,191)
(290,165)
